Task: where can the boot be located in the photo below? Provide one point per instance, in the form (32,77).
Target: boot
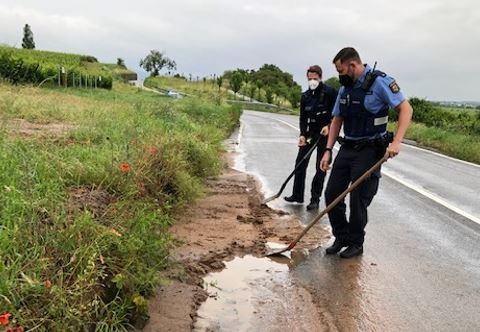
(313,205)
(335,247)
(292,199)
(352,251)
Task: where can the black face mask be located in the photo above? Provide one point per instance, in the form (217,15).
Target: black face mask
(345,80)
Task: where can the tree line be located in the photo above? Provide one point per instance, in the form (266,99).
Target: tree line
(268,83)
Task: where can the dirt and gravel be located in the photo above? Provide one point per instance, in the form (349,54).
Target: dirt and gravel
(25,128)
(228,222)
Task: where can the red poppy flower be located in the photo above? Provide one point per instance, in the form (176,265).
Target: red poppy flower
(5,318)
(125,167)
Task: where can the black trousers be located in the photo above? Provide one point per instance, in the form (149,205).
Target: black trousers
(301,173)
(348,166)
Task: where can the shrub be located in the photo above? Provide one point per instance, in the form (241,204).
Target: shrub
(463,121)
(88,58)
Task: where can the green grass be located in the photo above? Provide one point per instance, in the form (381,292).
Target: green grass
(455,144)
(66,59)
(204,90)
(453,131)
(100,251)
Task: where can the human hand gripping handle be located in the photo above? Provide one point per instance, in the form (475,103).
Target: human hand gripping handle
(393,149)
(324,131)
(334,129)
(326,160)
(301,141)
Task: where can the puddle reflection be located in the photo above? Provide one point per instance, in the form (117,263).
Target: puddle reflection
(236,292)
(232,293)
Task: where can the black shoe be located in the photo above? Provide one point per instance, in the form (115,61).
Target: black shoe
(335,247)
(352,251)
(292,199)
(312,206)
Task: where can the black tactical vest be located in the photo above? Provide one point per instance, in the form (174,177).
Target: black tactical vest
(316,112)
(357,120)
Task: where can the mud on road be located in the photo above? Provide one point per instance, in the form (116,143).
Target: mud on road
(227,231)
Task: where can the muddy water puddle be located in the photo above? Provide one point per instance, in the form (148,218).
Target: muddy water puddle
(255,293)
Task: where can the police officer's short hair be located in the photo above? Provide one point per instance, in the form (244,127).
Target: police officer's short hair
(315,69)
(347,54)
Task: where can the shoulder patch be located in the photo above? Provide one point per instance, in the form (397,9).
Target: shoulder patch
(394,87)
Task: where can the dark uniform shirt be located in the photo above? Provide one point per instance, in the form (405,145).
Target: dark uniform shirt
(316,109)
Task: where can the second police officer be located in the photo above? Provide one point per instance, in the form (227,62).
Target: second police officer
(316,106)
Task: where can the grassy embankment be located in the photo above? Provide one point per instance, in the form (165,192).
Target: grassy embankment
(453,131)
(91,180)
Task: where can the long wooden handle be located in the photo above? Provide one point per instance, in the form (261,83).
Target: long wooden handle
(297,166)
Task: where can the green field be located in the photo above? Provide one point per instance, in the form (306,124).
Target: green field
(210,91)
(453,131)
(38,67)
(458,145)
(205,90)
(91,180)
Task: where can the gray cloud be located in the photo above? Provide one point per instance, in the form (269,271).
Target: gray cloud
(428,46)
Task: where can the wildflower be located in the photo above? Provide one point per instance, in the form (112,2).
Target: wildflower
(20,329)
(10,329)
(48,284)
(125,167)
(115,232)
(5,318)
(153,151)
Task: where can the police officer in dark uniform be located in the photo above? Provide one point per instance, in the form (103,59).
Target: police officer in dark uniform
(362,107)
(315,114)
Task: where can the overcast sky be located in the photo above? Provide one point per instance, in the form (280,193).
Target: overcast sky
(430,46)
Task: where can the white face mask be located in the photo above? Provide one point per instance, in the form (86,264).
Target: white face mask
(313,84)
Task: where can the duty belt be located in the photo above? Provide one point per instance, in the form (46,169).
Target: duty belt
(384,140)
(356,144)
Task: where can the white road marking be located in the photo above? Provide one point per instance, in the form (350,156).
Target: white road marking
(443,156)
(270,118)
(433,197)
(288,124)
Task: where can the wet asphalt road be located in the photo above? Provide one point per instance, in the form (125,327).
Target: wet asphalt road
(421,267)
